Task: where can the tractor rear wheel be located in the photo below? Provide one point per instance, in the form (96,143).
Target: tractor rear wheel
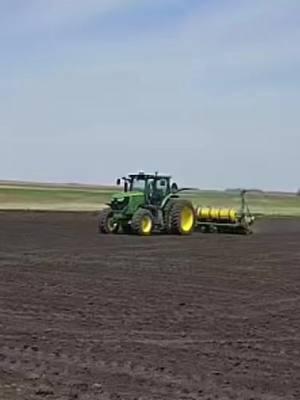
(182,217)
(167,215)
(142,223)
(106,223)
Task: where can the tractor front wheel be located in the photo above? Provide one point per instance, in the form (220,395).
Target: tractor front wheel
(106,224)
(142,223)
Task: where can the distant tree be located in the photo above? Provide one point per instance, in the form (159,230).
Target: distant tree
(298,193)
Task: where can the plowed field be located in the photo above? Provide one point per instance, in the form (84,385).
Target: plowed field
(85,316)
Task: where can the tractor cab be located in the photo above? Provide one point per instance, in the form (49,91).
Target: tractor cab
(154,187)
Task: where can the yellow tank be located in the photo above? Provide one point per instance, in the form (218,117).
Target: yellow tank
(203,212)
(217,214)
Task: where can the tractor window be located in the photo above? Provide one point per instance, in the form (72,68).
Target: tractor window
(162,186)
(158,190)
(138,185)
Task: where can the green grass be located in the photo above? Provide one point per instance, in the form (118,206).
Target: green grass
(42,198)
(259,204)
(60,198)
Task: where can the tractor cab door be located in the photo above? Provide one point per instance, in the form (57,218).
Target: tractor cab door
(159,189)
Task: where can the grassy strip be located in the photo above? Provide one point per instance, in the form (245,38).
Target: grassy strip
(91,199)
(259,204)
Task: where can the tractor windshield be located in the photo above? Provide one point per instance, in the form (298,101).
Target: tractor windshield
(154,187)
(137,184)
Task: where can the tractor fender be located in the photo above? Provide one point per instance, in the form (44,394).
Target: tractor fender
(174,196)
(167,199)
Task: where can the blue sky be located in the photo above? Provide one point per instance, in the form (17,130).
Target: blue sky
(205,90)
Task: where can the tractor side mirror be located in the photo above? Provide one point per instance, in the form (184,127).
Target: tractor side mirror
(126,187)
(118,182)
(162,183)
(174,187)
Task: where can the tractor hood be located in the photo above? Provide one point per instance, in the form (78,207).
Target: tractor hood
(127,202)
(122,196)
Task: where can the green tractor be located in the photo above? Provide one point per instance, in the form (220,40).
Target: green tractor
(148,203)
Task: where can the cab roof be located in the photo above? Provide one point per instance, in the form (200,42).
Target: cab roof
(143,175)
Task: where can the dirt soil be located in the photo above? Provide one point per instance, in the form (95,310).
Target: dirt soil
(87,317)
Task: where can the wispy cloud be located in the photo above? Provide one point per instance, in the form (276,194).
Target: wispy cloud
(35,16)
(57,16)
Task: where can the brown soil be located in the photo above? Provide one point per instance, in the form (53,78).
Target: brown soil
(84,316)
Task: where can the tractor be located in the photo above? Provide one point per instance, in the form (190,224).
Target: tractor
(148,203)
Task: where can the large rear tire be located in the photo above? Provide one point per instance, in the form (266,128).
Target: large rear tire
(167,216)
(142,223)
(106,224)
(182,218)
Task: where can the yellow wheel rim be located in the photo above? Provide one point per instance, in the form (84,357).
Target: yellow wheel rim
(146,224)
(187,219)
